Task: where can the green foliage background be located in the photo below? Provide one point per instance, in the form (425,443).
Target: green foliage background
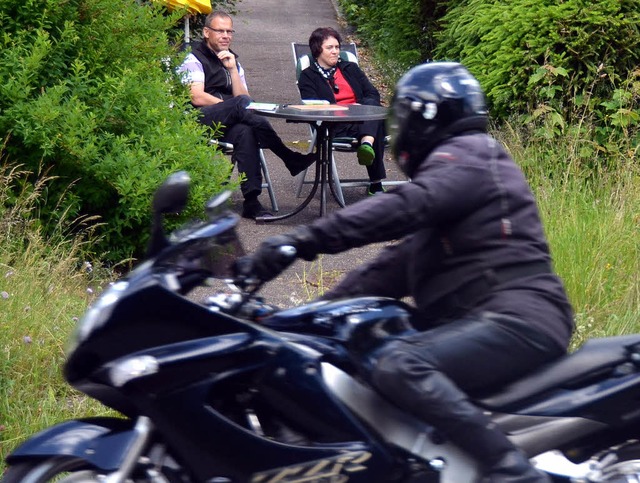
(555,60)
(526,52)
(89,97)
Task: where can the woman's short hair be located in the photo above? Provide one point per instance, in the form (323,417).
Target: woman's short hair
(317,38)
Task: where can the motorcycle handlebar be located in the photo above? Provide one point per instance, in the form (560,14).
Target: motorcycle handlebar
(250,275)
(288,252)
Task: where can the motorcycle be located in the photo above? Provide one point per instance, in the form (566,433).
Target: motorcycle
(231,389)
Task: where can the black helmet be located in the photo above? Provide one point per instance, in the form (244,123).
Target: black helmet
(432,102)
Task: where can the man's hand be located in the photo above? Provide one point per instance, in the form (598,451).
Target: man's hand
(271,258)
(276,253)
(228,59)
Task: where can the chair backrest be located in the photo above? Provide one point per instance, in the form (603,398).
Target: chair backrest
(302,55)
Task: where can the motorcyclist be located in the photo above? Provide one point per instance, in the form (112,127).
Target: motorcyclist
(471,252)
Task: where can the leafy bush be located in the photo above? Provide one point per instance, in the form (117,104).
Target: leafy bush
(393,27)
(570,68)
(545,56)
(89,96)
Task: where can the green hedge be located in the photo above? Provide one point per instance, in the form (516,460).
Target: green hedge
(530,52)
(557,61)
(89,96)
(401,32)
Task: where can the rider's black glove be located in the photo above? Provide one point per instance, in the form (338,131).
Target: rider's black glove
(276,253)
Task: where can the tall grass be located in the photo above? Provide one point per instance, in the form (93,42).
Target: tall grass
(45,284)
(592,220)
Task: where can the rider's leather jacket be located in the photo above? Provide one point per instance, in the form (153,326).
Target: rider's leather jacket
(469,238)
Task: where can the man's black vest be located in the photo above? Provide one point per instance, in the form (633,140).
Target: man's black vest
(217,80)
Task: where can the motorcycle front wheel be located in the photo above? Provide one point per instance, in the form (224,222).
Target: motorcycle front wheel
(74,470)
(60,470)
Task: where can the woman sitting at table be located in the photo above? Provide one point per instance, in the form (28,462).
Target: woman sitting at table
(342,82)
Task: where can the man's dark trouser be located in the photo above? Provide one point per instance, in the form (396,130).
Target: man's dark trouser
(248,132)
(428,373)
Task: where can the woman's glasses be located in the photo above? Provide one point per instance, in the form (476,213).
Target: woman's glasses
(334,86)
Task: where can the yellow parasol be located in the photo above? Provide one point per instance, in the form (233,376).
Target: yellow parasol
(193,6)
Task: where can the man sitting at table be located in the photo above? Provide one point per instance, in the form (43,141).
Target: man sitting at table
(219,89)
(338,81)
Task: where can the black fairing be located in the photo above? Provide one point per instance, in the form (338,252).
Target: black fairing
(360,324)
(150,317)
(214,370)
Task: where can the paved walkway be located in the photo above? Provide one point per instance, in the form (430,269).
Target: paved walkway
(264,32)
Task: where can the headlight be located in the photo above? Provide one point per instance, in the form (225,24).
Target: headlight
(132,368)
(97,314)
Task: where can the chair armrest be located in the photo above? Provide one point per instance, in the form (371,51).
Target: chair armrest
(345,143)
(227,148)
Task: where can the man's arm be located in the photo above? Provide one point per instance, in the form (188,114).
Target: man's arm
(199,97)
(192,74)
(238,83)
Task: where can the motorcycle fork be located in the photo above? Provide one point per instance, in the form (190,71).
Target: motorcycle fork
(142,431)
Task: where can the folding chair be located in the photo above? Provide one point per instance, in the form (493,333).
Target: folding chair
(302,59)
(227,148)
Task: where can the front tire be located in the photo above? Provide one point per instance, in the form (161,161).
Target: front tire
(159,468)
(61,470)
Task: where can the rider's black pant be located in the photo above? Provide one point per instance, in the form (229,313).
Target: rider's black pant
(430,373)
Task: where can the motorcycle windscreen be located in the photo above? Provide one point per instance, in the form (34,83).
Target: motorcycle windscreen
(211,249)
(219,259)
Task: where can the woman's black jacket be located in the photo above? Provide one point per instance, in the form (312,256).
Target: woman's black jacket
(313,85)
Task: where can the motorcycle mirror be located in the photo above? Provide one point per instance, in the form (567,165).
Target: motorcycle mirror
(173,194)
(216,204)
(170,197)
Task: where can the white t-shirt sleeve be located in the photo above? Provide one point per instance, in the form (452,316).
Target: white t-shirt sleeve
(191,70)
(242,77)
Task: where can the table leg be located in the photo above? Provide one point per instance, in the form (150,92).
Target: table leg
(330,179)
(326,175)
(325,159)
(319,180)
(323,176)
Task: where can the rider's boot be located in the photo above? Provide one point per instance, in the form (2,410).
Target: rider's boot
(419,388)
(500,460)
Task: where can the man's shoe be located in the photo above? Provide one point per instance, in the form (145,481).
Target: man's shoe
(365,154)
(252,209)
(299,162)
